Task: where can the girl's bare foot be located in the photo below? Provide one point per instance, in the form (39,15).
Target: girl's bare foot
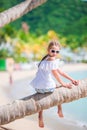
(60,114)
(70,87)
(41,124)
(40,119)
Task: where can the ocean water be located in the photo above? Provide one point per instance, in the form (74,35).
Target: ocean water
(75,112)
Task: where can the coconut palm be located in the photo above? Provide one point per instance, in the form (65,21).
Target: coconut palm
(34,103)
(18,11)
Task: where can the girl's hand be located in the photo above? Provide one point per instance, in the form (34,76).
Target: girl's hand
(75,82)
(67,85)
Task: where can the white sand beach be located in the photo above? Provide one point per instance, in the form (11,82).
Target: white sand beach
(74,67)
(31,122)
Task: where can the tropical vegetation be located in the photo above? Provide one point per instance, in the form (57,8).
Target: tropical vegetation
(28,36)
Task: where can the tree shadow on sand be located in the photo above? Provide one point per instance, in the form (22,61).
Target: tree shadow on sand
(4,128)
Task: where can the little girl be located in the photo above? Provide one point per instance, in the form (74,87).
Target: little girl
(44,81)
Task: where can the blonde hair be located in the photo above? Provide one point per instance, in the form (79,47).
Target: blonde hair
(52,43)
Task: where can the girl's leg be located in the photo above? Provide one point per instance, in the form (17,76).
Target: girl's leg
(60,113)
(40,118)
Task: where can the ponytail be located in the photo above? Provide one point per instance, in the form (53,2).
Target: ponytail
(42,60)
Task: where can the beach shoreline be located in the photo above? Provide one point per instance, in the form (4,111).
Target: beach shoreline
(74,67)
(31,122)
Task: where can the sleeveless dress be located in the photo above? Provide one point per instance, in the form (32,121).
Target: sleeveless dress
(44,81)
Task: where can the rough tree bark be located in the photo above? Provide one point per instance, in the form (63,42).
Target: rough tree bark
(34,103)
(18,11)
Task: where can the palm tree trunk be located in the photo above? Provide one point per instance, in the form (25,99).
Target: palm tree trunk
(34,103)
(18,11)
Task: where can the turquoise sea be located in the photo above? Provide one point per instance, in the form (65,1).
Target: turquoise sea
(75,112)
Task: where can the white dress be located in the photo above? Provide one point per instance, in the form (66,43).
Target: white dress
(44,78)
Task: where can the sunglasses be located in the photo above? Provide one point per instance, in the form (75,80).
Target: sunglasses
(53,51)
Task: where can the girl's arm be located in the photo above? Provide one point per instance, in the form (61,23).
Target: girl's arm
(75,82)
(64,75)
(68,85)
(56,75)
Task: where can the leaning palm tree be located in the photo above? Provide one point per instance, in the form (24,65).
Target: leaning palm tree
(18,11)
(34,103)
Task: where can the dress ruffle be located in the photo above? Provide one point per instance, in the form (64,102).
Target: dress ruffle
(49,65)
